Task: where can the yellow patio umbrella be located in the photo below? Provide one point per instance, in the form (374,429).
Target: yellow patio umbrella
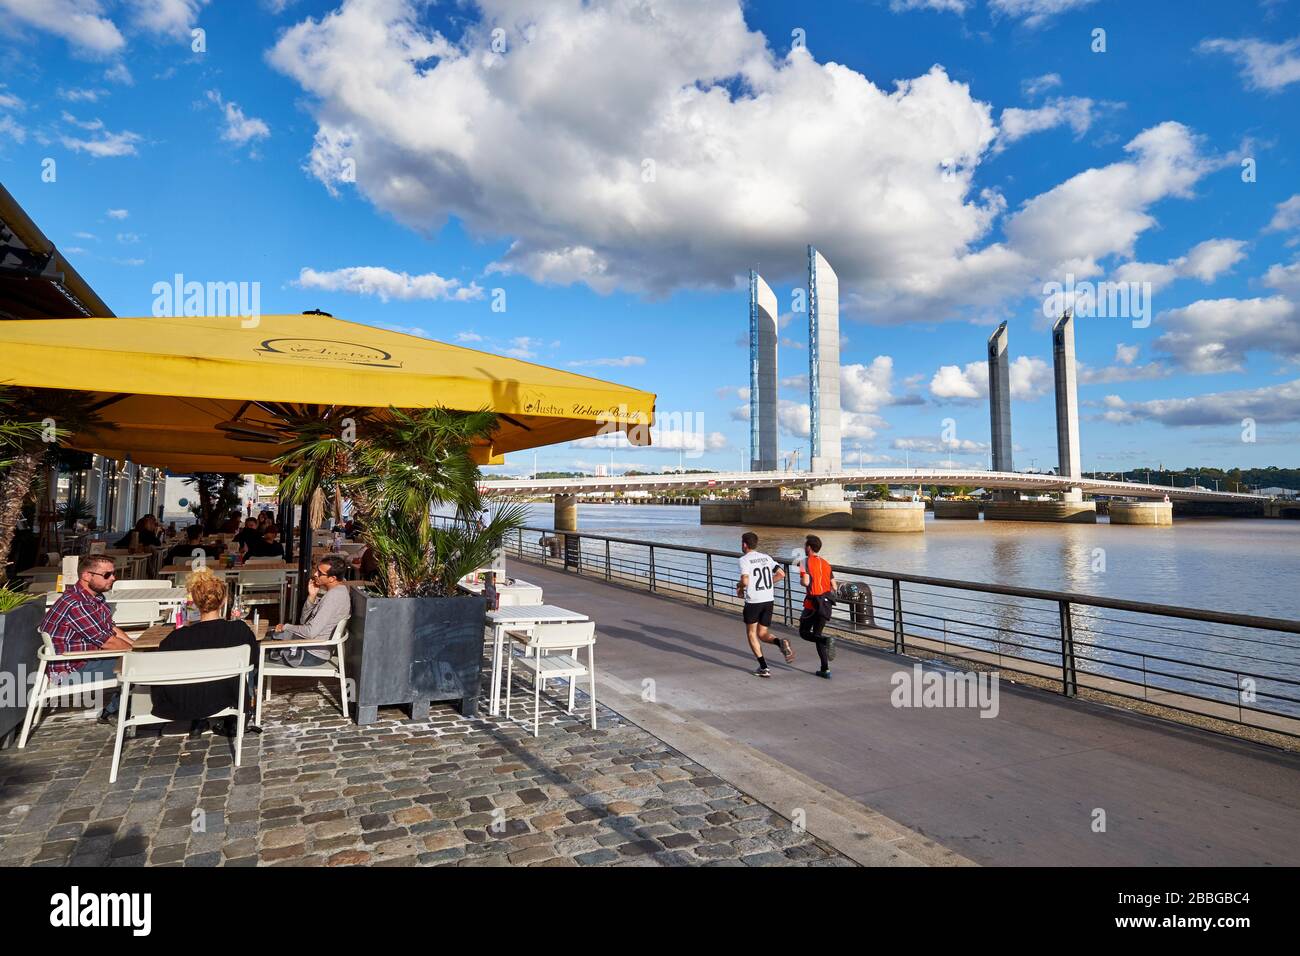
(216,393)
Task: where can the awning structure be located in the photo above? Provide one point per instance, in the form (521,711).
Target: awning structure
(36,281)
(214,393)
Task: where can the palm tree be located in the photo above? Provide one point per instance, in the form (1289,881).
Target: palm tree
(398,466)
(36,420)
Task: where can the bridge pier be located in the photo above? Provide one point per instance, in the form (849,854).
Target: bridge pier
(778,512)
(895,517)
(1080,512)
(1158,513)
(967,510)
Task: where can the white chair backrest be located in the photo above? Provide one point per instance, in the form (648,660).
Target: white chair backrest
(552,636)
(253,561)
(135,612)
(97,547)
(53,558)
(143,584)
(340,632)
(184,667)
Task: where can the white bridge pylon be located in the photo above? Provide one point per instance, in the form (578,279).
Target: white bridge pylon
(730,481)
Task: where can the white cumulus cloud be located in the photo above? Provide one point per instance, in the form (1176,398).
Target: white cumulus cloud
(239,128)
(387,284)
(1031,378)
(1264,65)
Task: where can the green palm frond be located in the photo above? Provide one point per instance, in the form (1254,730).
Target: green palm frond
(398,466)
(10,599)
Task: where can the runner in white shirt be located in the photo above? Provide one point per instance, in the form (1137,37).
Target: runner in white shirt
(759,575)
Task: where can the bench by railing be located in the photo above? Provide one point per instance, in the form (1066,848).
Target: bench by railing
(1239,668)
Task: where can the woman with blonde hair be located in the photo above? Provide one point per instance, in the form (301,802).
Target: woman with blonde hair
(198,701)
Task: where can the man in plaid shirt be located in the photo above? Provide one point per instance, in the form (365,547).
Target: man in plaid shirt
(81,620)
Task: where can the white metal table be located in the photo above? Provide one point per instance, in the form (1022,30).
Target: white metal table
(522,615)
(166,597)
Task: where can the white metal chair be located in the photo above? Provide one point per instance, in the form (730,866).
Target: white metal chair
(143,670)
(333,668)
(262,588)
(136,614)
(550,651)
(122,564)
(43,689)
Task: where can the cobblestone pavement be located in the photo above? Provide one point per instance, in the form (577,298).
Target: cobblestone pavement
(316,790)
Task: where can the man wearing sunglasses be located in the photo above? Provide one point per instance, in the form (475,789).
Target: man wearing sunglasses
(81,620)
(327,604)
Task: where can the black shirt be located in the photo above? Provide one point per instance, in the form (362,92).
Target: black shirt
(147,540)
(185,552)
(192,701)
(260,549)
(248,536)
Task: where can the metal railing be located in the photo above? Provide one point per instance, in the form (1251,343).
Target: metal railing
(1239,668)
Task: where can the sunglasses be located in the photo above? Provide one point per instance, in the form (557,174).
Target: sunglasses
(104,574)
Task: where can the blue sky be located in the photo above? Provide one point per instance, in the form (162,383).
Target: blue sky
(617,168)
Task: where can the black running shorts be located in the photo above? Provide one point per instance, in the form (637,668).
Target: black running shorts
(759,613)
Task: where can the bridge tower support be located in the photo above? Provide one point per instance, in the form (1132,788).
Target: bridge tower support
(824,383)
(1067,403)
(1000,400)
(764,450)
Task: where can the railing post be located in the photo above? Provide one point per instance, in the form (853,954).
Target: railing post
(898,617)
(708,580)
(607,559)
(652,567)
(789,598)
(1069,679)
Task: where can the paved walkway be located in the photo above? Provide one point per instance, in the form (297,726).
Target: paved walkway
(316,790)
(1022,788)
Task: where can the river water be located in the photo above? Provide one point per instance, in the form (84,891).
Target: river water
(1243,566)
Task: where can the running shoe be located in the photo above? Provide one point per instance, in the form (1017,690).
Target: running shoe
(826,674)
(787,650)
(762,672)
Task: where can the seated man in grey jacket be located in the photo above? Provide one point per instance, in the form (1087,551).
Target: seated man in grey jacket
(328,603)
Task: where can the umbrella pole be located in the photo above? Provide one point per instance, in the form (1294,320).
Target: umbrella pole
(304,552)
(284,520)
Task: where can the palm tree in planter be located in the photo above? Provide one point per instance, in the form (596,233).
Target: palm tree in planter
(20,615)
(417,640)
(20,618)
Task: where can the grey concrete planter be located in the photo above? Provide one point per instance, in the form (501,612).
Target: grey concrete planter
(19,641)
(415,651)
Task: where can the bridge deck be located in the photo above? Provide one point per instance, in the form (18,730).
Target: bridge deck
(1020,788)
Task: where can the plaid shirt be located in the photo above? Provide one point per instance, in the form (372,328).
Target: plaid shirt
(78,621)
